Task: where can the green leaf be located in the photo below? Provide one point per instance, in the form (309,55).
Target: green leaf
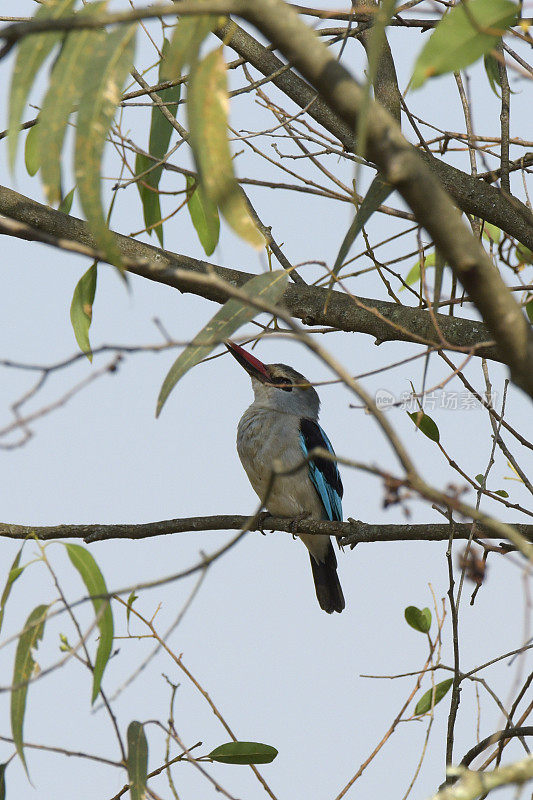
(501,493)
(418,619)
(493,73)
(204,216)
(81,309)
(413,276)
(95,583)
(66,203)
(137,760)
(529,310)
(524,254)
(64,91)
(185,44)
(32,152)
(426,702)
(462,36)
(207,105)
(23,670)
(31,53)
(481,480)
(102,80)
(425,424)
(160,133)
(234,313)
(243,753)
(131,599)
(12,576)
(377,193)
(491,232)
(3,780)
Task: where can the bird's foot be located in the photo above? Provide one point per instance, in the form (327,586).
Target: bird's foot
(295,521)
(261,519)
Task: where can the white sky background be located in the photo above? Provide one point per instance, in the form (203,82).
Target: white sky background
(279,669)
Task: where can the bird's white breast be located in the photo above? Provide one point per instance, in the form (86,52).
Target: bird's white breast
(268,440)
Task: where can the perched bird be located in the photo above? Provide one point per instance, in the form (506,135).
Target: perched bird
(278,430)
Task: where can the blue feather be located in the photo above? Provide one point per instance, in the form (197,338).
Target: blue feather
(324,474)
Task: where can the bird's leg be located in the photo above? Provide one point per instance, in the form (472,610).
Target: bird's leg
(296,520)
(260,522)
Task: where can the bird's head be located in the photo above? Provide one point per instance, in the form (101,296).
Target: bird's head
(277,386)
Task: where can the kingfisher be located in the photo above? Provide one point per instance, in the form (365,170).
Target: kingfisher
(277,432)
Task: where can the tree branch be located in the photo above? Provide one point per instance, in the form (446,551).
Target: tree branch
(473,784)
(383,320)
(349,533)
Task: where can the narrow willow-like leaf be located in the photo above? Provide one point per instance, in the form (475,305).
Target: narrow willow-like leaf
(234,313)
(160,133)
(207,110)
(32,153)
(419,619)
(23,670)
(137,760)
(204,216)
(243,753)
(185,44)
(493,73)
(66,203)
(103,79)
(414,273)
(81,309)
(378,191)
(95,583)
(64,90)
(131,599)
(14,573)
(426,701)
(529,310)
(3,780)
(427,425)
(31,53)
(462,36)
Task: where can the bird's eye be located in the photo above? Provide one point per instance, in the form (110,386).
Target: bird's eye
(283,383)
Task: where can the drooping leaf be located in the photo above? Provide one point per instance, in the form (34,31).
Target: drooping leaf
(243,753)
(481,480)
(31,53)
(204,216)
(426,701)
(131,599)
(160,133)
(66,203)
(493,73)
(14,573)
(414,273)
(95,583)
(427,425)
(185,44)
(64,91)
(419,619)
(207,110)
(491,232)
(137,760)
(377,193)
(32,153)
(81,309)
(462,36)
(23,670)
(234,313)
(3,780)
(102,81)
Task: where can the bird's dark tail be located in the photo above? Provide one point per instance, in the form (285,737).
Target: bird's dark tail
(327,586)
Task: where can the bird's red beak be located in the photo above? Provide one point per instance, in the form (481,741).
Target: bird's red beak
(252,365)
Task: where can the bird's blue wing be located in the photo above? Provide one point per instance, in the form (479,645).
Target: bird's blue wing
(323,473)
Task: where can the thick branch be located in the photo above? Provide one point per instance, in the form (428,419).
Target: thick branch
(350,533)
(303,302)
